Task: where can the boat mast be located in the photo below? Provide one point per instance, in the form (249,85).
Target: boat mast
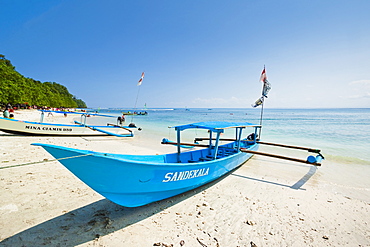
(137,95)
(265,89)
(263,103)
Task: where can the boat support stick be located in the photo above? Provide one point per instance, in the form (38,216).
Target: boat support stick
(83,120)
(186,144)
(210,142)
(42,117)
(312,150)
(117,126)
(216,145)
(178,146)
(103,131)
(221,139)
(239,137)
(279,157)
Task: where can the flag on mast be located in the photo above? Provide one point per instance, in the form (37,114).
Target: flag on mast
(258,102)
(141,79)
(263,75)
(266,84)
(265,90)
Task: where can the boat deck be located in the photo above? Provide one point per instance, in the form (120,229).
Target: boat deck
(205,154)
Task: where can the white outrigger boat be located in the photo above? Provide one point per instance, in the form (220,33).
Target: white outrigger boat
(20,127)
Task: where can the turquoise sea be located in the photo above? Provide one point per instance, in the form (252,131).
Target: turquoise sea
(341,134)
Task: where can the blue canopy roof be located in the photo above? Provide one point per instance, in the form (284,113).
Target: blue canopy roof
(215,126)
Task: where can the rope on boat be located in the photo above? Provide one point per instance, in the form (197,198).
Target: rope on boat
(45,161)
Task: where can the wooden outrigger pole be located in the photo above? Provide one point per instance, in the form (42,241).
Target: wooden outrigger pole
(311,160)
(104,131)
(312,150)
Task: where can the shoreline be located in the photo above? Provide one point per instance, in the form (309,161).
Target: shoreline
(267,202)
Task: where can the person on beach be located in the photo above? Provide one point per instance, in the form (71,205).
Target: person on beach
(6,113)
(11,116)
(121,119)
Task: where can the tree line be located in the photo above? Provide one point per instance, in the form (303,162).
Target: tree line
(15,89)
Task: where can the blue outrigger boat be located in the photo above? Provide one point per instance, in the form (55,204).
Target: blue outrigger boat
(136,180)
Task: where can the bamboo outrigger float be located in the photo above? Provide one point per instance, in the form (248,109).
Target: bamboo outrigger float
(311,160)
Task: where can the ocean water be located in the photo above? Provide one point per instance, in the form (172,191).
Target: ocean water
(341,134)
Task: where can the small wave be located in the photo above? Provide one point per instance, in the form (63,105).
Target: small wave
(349,187)
(169,109)
(346,160)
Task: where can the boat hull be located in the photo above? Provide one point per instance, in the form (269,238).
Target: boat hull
(33,128)
(131,180)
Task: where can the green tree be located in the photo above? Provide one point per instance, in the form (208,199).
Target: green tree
(17,89)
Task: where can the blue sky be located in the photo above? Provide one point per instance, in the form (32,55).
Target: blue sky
(195,53)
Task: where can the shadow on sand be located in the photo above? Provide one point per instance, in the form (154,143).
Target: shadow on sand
(93,221)
(296,186)
(104,217)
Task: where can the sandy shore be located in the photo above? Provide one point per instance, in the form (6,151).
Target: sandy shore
(268,202)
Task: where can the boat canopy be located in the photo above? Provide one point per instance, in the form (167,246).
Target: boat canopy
(215,126)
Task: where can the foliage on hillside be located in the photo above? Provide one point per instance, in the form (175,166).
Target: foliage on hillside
(17,89)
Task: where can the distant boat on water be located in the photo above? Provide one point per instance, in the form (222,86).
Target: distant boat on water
(135,113)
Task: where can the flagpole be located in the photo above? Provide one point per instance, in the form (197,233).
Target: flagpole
(137,96)
(263,103)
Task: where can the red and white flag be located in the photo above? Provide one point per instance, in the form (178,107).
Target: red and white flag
(141,79)
(266,84)
(263,75)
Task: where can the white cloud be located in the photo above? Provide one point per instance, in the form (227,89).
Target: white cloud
(361,90)
(361,82)
(358,96)
(219,102)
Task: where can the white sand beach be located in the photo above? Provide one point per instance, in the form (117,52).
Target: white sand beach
(266,202)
